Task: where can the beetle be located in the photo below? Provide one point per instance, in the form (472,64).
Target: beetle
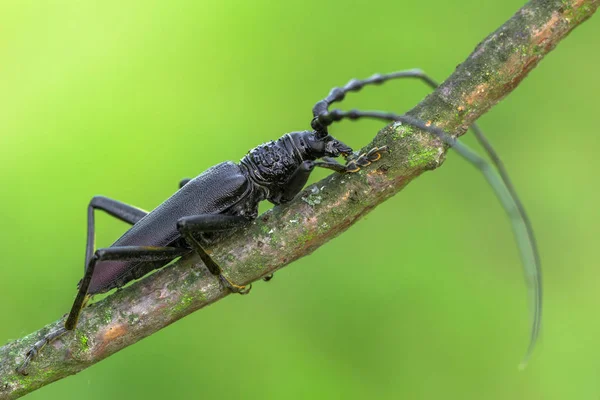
(227,195)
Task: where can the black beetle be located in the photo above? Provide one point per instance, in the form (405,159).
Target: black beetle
(227,195)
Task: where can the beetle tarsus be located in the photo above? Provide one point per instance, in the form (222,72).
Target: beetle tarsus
(267,278)
(375,153)
(365,159)
(37,347)
(239,289)
(354,164)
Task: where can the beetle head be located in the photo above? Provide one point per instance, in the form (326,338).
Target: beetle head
(328,146)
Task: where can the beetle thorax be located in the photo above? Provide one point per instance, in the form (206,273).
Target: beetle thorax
(271,164)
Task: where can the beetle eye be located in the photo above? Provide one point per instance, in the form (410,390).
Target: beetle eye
(332,147)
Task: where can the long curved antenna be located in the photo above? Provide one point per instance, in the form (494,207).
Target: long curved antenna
(354,85)
(338,94)
(503,189)
(535,305)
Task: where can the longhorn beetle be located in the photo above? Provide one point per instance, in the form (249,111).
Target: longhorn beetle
(227,195)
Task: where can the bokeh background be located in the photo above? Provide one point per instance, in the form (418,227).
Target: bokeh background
(125,98)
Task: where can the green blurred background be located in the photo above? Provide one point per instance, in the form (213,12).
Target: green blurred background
(125,98)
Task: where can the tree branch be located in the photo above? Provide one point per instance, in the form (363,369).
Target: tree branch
(321,212)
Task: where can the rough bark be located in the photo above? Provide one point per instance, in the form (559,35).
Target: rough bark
(321,212)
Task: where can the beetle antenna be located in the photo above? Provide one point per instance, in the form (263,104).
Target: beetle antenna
(502,186)
(354,85)
(338,94)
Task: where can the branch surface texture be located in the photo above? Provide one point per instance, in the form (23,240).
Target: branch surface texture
(324,210)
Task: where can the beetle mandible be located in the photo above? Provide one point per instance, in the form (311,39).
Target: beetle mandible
(227,196)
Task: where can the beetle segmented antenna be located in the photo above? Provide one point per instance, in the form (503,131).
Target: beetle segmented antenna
(500,180)
(354,85)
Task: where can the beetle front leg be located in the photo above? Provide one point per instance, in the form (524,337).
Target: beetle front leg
(299,178)
(353,165)
(205,223)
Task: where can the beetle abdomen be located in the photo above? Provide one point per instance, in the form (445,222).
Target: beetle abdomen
(212,192)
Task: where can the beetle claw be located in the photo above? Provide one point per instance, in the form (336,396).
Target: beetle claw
(239,289)
(246,289)
(375,153)
(22,368)
(37,347)
(365,159)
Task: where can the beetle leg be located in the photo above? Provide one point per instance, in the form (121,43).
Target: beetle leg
(187,226)
(38,346)
(353,165)
(299,178)
(365,159)
(121,253)
(296,182)
(124,253)
(115,208)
